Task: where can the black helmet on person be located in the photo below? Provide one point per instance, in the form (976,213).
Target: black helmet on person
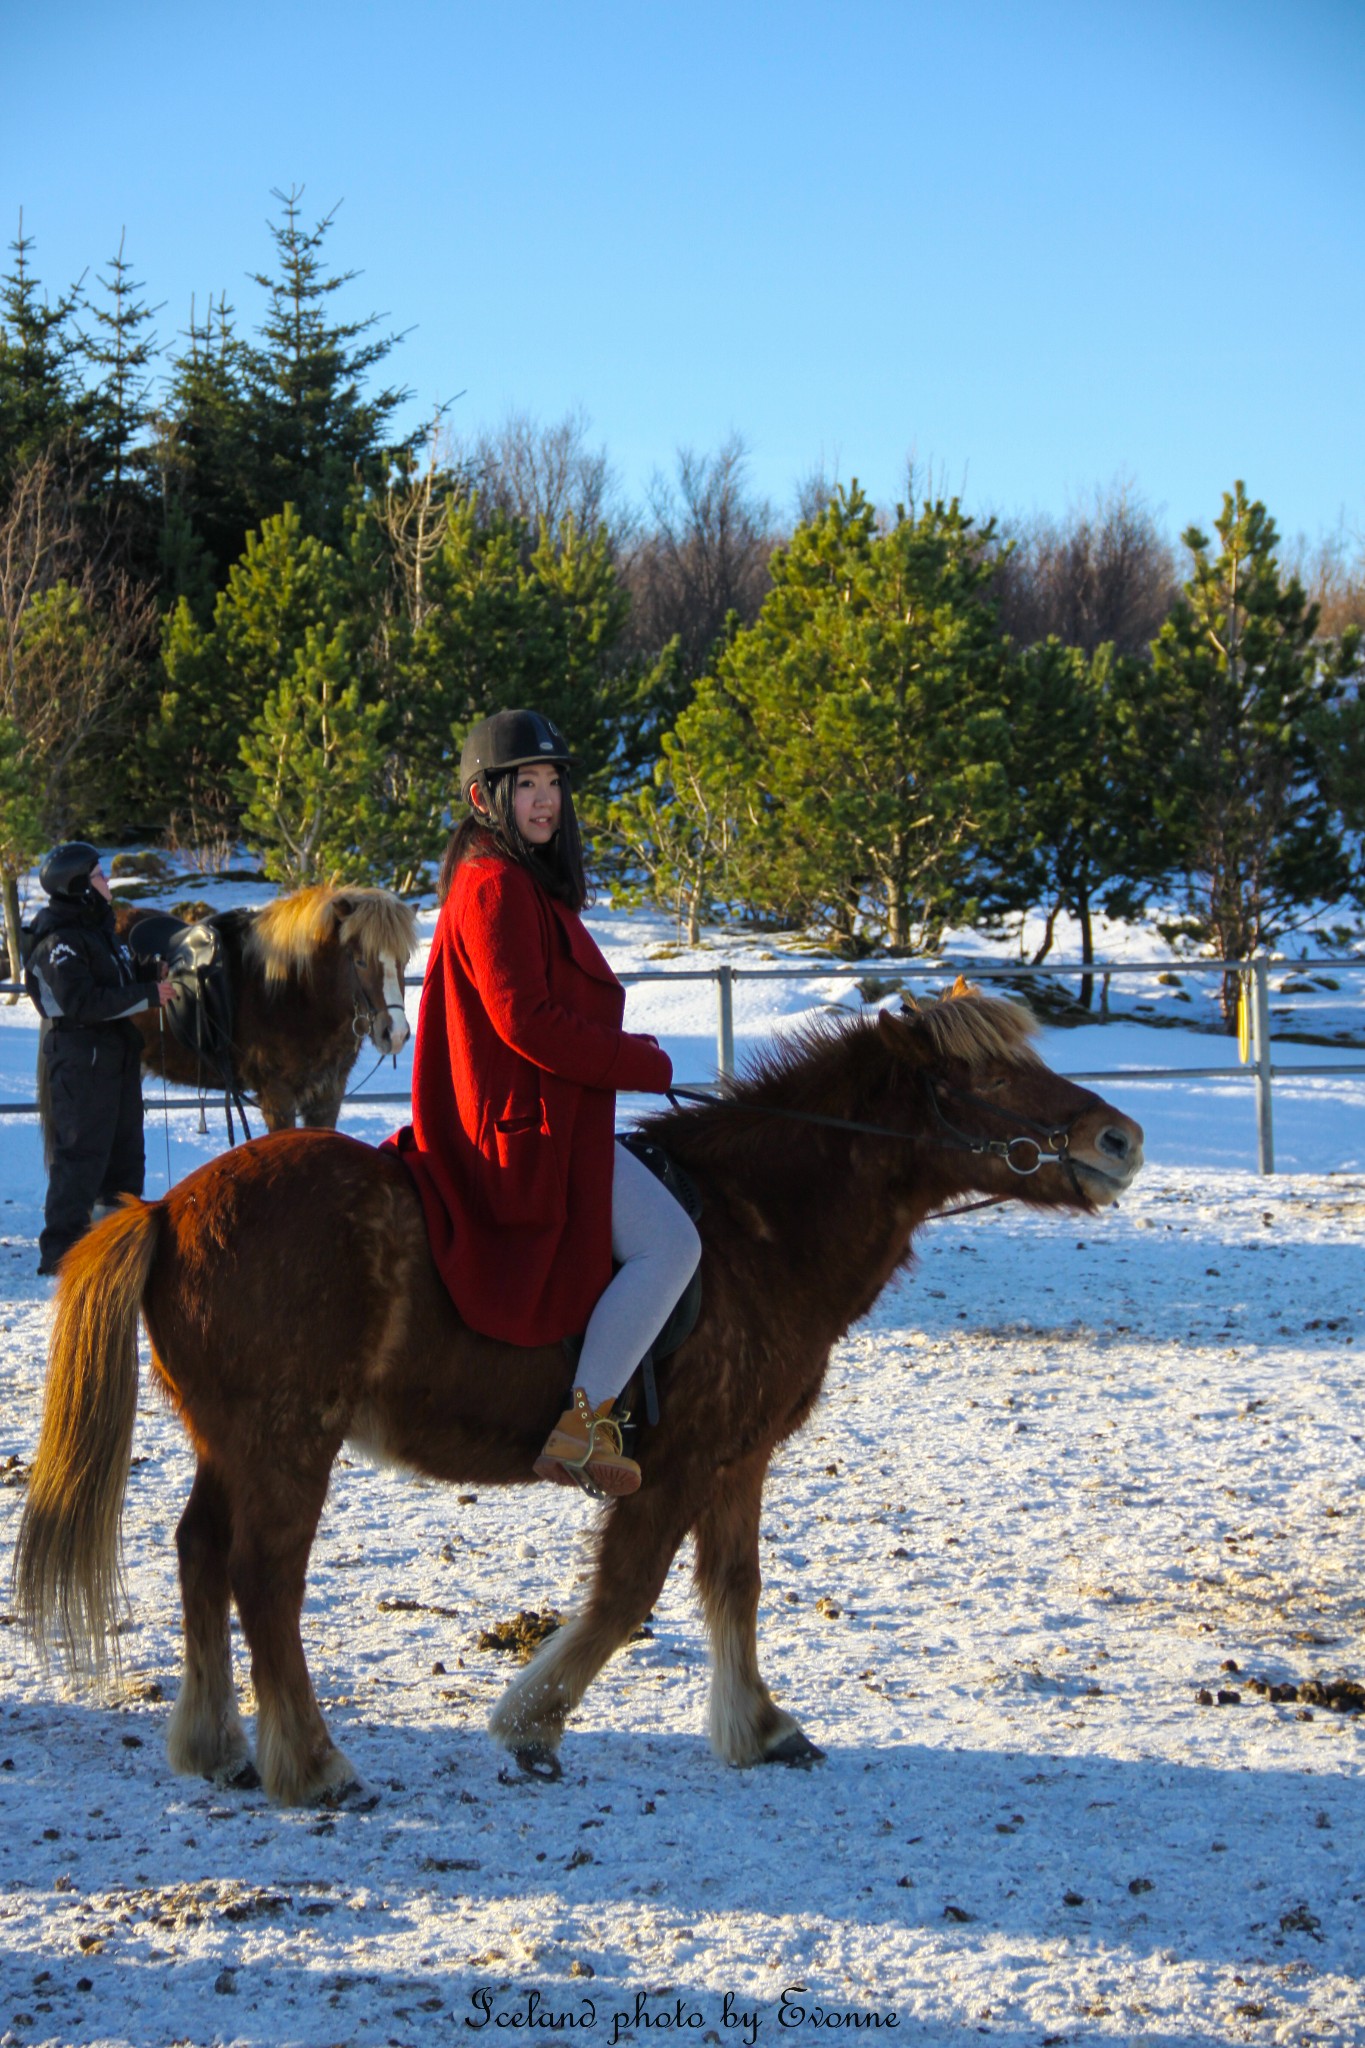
(67,870)
(510,739)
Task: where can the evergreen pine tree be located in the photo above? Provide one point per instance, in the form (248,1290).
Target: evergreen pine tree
(1082,834)
(678,836)
(1242,688)
(572,581)
(507,619)
(1341,736)
(872,683)
(121,349)
(204,458)
(41,401)
(312,762)
(286,585)
(313,427)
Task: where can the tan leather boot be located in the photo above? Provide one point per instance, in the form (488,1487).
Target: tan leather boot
(584,1449)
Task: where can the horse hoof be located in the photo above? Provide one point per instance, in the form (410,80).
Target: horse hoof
(351,1797)
(796,1750)
(534,1760)
(242,1776)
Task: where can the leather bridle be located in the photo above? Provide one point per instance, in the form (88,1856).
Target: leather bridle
(1051,1142)
(366,1011)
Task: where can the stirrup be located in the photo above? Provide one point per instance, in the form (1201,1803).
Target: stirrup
(609,1427)
(568,1458)
(578,1467)
(579,1477)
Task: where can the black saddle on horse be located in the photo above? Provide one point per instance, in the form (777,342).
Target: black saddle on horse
(200,1014)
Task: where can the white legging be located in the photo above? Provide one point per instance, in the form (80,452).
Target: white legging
(657,1246)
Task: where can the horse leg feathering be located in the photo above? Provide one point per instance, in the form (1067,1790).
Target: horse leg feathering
(637,1543)
(297,1759)
(747,1726)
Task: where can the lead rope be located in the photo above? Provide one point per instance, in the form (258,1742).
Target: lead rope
(370,1076)
(165,1099)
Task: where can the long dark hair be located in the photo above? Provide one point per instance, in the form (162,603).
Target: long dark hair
(558,867)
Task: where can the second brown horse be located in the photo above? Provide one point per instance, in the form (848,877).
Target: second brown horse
(313,975)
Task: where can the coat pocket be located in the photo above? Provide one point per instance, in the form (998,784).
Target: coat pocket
(109,1054)
(523,1181)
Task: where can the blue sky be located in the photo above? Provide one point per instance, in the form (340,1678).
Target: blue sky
(1040,248)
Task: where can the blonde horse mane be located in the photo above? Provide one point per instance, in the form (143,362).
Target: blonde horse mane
(966,1025)
(828,1050)
(284,937)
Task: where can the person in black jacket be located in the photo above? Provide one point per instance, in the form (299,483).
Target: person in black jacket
(88,983)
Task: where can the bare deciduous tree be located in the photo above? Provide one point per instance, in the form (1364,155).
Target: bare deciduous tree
(1332,572)
(1105,573)
(703,555)
(542,474)
(413,513)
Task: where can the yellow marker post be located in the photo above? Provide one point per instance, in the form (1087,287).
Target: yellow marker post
(1244,1018)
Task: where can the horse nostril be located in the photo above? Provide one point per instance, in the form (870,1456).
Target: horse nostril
(1114,1142)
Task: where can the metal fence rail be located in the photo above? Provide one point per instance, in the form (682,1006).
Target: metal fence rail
(1261,1068)
(1258,1066)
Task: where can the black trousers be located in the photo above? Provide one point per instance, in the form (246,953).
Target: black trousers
(95,1108)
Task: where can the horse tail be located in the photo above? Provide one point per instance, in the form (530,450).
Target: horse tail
(45,1094)
(67,1578)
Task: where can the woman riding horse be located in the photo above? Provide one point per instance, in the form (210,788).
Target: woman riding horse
(519,1053)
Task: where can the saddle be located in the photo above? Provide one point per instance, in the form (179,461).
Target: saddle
(200,1014)
(682,1317)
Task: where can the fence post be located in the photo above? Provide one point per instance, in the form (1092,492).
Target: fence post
(725,1022)
(1260,1021)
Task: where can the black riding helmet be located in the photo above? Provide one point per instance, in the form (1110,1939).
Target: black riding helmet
(67,870)
(510,739)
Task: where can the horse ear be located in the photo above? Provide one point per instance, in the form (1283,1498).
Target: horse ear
(908,1003)
(961,987)
(894,1028)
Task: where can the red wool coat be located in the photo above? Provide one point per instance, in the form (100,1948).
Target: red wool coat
(518,1056)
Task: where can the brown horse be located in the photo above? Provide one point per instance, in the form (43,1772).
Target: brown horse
(292,1304)
(312,975)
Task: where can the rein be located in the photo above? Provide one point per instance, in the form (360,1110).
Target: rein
(1055,1151)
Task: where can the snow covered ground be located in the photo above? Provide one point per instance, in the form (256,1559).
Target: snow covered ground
(1067,1477)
